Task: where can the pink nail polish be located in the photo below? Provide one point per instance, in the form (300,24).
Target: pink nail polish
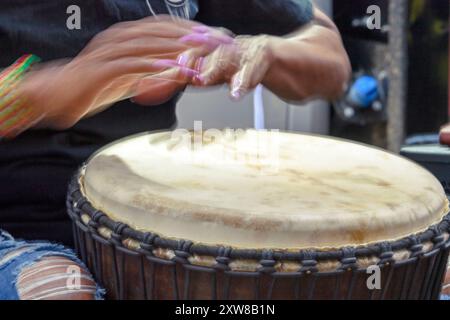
(199,64)
(201,79)
(183,60)
(196,38)
(235,94)
(201,29)
(189,72)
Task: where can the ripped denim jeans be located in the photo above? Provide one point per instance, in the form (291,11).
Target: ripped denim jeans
(15,255)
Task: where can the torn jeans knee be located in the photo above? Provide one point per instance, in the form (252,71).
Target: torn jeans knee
(16,255)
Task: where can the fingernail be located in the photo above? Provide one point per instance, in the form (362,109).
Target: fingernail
(198,67)
(195,37)
(236,91)
(201,29)
(198,79)
(165,63)
(183,60)
(236,94)
(236,84)
(203,79)
(199,64)
(189,72)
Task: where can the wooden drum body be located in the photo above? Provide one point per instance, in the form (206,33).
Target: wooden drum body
(286,216)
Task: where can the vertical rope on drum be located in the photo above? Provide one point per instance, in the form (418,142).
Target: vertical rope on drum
(187,283)
(95,261)
(406,285)
(387,261)
(312,286)
(222,265)
(146,250)
(271,286)
(352,285)
(182,258)
(432,276)
(297,289)
(93,226)
(75,234)
(414,294)
(424,286)
(385,288)
(214,285)
(83,242)
(151,283)
(267,267)
(309,266)
(349,264)
(98,256)
(119,266)
(121,276)
(436,279)
(442,272)
(142,276)
(438,242)
(337,286)
(73,215)
(441,269)
(256,286)
(176,294)
(436,284)
(227,285)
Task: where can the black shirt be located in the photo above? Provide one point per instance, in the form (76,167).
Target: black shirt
(36,166)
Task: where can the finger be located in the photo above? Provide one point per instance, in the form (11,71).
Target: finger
(163,24)
(207,29)
(201,29)
(248,78)
(157,48)
(157,89)
(193,59)
(220,65)
(141,66)
(212,41)
(128,32)
(176,74)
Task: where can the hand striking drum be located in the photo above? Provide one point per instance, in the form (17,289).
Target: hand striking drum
(158,218)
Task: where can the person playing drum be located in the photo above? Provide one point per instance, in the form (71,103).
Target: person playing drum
(77,86)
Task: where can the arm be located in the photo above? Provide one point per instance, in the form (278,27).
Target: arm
(311,62)
(57,95)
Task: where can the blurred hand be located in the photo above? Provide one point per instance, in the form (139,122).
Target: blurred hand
(241,62)
(112,67)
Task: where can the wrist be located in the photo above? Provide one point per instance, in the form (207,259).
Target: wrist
(273,46)
(42,89)
(16,114)
(31,92)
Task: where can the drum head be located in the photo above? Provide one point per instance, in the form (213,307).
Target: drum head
(251,189)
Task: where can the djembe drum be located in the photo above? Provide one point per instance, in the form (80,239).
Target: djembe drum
(258,215)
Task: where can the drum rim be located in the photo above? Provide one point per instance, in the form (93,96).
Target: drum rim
(337,139)
(78,204)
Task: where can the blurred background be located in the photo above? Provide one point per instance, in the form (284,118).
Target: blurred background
(399,87)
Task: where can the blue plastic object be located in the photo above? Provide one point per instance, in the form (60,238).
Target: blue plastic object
(364,92)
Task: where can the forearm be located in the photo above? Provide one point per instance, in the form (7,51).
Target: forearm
(312,63)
